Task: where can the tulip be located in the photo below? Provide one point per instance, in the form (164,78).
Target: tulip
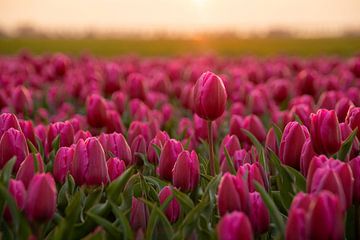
(62,163)
(136,86)
(353,119)
(234,188)
(115,145)
(27,168)
(119,99)
(7,121)
(231,144)
(96,111)
(325,132)
(112,73)
(342,107)
(22,101)
(271,141)
(89,165)
(251,173)
(259,214)
(159,140)
(186,171)
(18,192)
(138,147)
(115,167)
(139,215)
(253,124)
(257,102)
(64,130)
(234,226)
(139,128)
(81,134)
(201,128)
(172,210)
(332,175)
(13,143)
(113,122)
(355,167)
(302,111)
(168,156)
(291,144)
(41,198)
(307,154)
(315,216)
(27,128)
(40,133)
(307,82)
(209,96)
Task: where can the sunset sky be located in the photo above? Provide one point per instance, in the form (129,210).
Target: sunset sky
(181,15)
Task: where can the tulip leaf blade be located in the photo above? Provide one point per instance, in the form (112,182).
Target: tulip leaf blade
(300,180)
(253,139)
(107,225)
(346,146)
(7,170)
(184,199)
(229,161)
(125,225)
(274,211)
(118,184)
(278,132)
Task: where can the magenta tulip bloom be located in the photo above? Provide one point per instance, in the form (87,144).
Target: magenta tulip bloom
(139,215)
(251,173)
(41,198)
(138,147)
(168,157)
(115,145)
(64,130)
(27,168)
(115,168)
(96,111)
(186,171)
(22,101)
(259,214)
(18,192)
(172,210)
(209,96)
(7,121)
(234,226)
(62,163)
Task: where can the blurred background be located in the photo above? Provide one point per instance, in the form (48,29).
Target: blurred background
(163,27)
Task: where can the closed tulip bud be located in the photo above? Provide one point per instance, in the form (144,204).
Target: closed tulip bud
(353,119)
(112,73)
(315,216)
(307,154)
(253,124)
(22,101)
(81,134)
(28,168)
(64,130)
(62,163)
(27,128)
(234,188)
(325,132)
(41,198)
(172,210)
(303,111)
(119,100)
(139,128)
(271,141)
(236,126)
(136,86)
(114,122)
(307,82)
(40,133)
(115,144)
(139,215)
(257,102)
(115,168)
(13,144)
(159,140)
(186,172)
(291,144)
(168,156)
(231,144)
(209,96)
(96,111)
(234,226)
(89,164)
(251,173)
(259,214)
(334,176)
(240,158)
(18,192)
(342,107)
(7,121)
(138,146)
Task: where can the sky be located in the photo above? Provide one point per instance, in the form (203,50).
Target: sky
(181,15)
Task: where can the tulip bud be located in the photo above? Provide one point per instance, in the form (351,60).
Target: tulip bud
(27,168)
(259,214)
(325,132)
(139,128)
(89,165)
(139,215)
(252,172)
(186,171)
(7,121)
(159,140)
(96,111)
(342,107)
(307,154)
(353,119)
(41,198)
(231,144)
(172,210)
(13,143)
(115,144)
(253,124)
(62,163)
(235,225)
(119,99)
(27,128)
(271,141)
(115,167)
(168,156)
(40,132)
(136,86)
(138,146)
(209,96)
(291,144)
(81,134)
(18,192)
(315,216)
(234,188)
(22,101)
(65,132)
(113,122)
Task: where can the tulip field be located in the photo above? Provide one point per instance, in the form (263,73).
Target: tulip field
(180,147)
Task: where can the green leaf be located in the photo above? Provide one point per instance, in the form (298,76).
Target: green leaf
(7,170)
(56,144)
(183,199)
(11,204)
(125,225)
(253,139)
(40,147)
(229,161)
(117,186)
(297,118)
(278,132)
(274,211)
(109,228)
(346,146)
(299,179)
(31,147)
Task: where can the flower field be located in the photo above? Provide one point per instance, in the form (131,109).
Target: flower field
(185,147)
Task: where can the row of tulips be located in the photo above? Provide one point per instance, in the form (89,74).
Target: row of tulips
(161,148)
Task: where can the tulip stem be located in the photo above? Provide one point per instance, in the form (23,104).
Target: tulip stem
(211,148)
(357,221)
